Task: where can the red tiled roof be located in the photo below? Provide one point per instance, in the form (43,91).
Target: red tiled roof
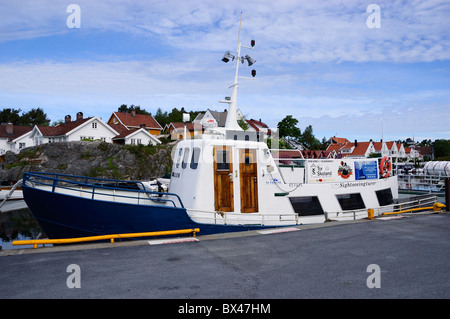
(189,126)
(135,121)
(119,128)
(61,129)
(334,147)
(378,146)
(360,149)
(257,124)
(289,154)
(17,131)
(390,145)
(123,134)
(340,140)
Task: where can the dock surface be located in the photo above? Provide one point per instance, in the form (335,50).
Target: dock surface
(331,260)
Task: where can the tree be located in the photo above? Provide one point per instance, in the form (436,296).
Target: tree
(161,117)
(10,115)
(442,150)
(287,128)
(309,140)
(127,109)
(35,117)
(243,124)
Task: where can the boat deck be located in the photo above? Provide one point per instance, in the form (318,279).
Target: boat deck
(327,260)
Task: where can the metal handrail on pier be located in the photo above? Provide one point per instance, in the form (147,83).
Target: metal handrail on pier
(111,237)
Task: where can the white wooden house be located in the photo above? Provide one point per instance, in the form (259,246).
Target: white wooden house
(14,138)
(92,128)
(136,137)
(214,118)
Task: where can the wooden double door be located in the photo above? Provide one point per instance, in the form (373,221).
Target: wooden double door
(224,179)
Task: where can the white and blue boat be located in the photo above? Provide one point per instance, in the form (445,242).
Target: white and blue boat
(226,180)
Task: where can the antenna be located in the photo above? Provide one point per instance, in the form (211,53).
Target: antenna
(231,122)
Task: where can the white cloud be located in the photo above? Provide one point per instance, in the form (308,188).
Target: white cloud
(293,31)
(316,60)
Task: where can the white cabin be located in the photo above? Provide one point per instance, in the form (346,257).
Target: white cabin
(237,176)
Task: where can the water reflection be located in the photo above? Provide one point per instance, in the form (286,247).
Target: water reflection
(18,225)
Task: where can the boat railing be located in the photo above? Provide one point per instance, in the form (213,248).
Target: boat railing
(398,206)
(224,218)
(101,188)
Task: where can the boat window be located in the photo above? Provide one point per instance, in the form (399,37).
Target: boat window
(351,201)
(185,157)
(306,205)
(385,197)
(180,152)
(195,157)
(222,160)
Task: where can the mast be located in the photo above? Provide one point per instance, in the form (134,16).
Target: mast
(231,122)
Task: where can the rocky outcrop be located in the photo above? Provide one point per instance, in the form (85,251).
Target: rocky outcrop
(94,159)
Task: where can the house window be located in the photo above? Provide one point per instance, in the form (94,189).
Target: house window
(21,145)
(94,125)
(133,141)
(139,141)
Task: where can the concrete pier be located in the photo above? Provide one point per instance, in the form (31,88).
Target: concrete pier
(391,257)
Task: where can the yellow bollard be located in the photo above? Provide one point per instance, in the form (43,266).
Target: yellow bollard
(370,213)
(438,206)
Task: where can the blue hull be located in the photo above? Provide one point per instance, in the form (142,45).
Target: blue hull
(66,216)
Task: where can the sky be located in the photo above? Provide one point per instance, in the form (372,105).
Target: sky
(345,67)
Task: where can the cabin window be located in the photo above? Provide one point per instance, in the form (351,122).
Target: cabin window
(195,157)
(351,201)
(185,158)
(385,197)
(222,160)
(306,205)
(180,153)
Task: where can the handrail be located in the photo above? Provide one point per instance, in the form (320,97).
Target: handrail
(397,208)
(36,242)
(95,183)
(435,207)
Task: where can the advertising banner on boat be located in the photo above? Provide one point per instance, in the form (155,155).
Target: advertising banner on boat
(366,169)
(321,171)
(329,171)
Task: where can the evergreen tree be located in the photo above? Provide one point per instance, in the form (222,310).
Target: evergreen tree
(35,117)
(309,140)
